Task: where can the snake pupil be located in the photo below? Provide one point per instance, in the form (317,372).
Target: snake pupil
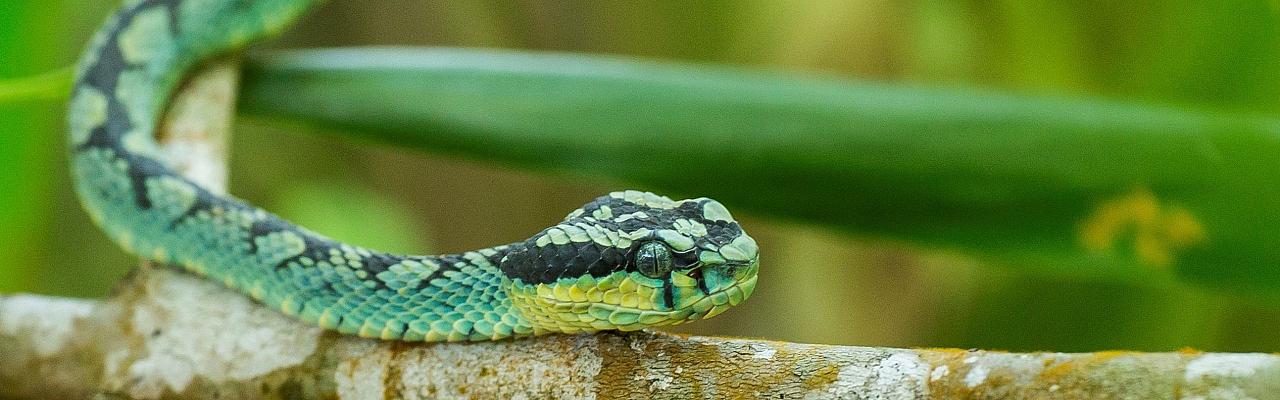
(653,259)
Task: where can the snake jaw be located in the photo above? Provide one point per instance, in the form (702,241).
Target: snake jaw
(629,301)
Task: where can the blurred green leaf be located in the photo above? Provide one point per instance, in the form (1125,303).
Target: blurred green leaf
(343,211)
(28,43)
(1068,187)
(52,85)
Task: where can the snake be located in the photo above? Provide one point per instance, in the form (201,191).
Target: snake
(627,260)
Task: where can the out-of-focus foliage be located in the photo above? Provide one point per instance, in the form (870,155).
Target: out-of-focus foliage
(1211,59)
(25,140)
(339,209)
(52,85)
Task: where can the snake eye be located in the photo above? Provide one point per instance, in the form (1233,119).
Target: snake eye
(653,259)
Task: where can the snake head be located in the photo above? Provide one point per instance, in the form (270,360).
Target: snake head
(630,260)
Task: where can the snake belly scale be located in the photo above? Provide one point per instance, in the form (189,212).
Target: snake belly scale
(625,261)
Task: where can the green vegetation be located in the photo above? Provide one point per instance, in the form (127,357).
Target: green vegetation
(1012,174)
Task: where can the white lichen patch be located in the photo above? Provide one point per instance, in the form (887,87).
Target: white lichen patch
(901,375)
(49,323)
(1228,365)
(907,369)
(938,373)
(656,375)
(763,351)
(983,370)
(656,369)
(193,328)
(976,376)
(559,368)
(363,377)
(1232,376)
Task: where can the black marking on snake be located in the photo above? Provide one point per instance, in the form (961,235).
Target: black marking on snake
(267,226)
(141,169)
(312,247)
(377,263)
(106,69)
(104,75)
(691,207)
(684,259)
(316,248)
(500,252)
(696,274)
(558,261)
(206,201)
(438,273)
(446,263)
(668,293)
(589,254)
(172,7)
(242,5)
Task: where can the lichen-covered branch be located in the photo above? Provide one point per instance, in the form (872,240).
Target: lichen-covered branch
(167,334)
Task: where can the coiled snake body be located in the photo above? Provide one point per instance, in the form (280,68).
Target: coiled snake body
(626,260)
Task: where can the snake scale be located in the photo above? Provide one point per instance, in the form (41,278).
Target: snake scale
(624,261)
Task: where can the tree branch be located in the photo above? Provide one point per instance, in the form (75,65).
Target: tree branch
(167,334)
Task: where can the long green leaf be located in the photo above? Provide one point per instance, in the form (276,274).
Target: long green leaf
(1087,188)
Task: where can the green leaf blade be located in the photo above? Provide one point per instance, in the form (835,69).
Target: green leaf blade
(1083,188)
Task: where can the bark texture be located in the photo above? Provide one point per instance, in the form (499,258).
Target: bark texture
(166,334)
(170,335)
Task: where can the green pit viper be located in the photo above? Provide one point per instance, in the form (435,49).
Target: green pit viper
(624,261)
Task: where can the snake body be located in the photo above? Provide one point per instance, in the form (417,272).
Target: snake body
(626,260)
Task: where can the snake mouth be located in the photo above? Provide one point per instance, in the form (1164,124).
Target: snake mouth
(707,304)
(630,318)
(630,301)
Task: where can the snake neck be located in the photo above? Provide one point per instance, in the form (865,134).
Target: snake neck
(457,297)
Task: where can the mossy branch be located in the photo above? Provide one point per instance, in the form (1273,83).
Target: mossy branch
(166,334)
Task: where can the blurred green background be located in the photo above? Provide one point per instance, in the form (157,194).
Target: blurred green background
(819,284)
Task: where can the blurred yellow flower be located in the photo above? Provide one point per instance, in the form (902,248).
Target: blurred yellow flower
(1157,231)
